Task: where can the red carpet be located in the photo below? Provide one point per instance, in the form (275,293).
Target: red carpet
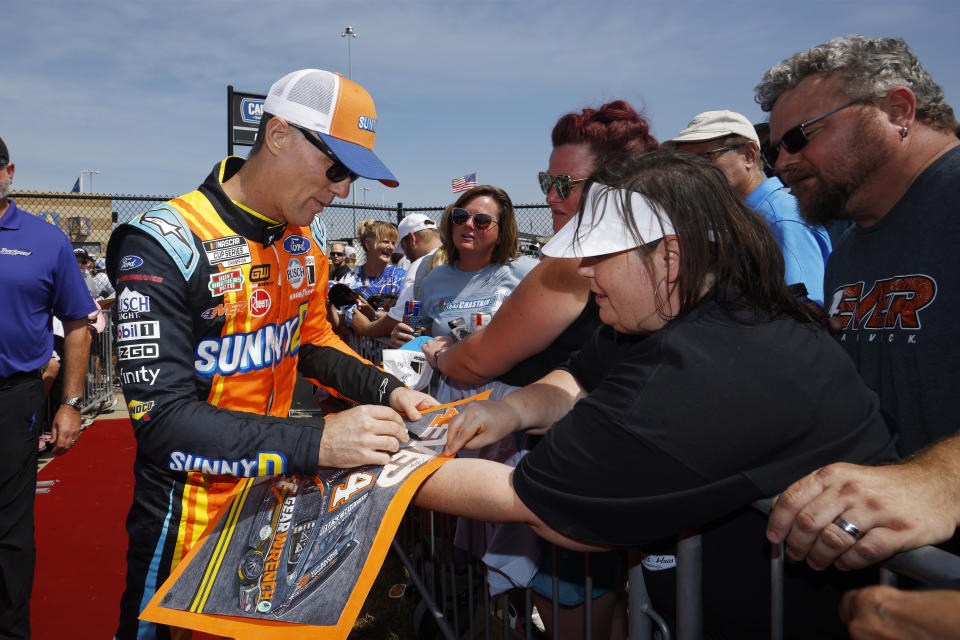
(81,540)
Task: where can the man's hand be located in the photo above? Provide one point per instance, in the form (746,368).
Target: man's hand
(65,429)
(400,335)
(367,434)
(897,507)
(886,613)
(479,424)
(411,403)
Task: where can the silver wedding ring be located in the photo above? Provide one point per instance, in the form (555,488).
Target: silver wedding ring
(849,527)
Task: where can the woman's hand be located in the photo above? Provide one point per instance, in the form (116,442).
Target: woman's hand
(433,347)
(479,424)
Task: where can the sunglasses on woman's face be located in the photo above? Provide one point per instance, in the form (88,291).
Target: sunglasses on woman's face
(481,221)
(339,171)
(561,181)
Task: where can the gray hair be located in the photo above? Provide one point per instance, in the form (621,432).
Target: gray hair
(870,67)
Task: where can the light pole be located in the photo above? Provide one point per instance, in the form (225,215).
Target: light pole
(350,33)
(89,172)
(364,195)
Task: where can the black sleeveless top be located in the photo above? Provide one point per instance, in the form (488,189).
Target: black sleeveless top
(567,344)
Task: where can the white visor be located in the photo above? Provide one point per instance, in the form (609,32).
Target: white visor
(603,228)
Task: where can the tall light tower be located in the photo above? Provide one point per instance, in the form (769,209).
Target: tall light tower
(349,33)
(89,172)
(364,195)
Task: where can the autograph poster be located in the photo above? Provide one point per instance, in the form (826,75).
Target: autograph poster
(300,550)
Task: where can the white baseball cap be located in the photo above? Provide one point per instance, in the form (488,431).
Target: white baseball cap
(717,124)
(339,110)
(414,222)
(603,229)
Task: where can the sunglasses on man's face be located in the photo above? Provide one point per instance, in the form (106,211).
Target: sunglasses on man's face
(339,171)
(481,221)
(795,139)
(561,181)
(337,254)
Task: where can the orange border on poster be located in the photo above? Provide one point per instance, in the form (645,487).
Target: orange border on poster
(257,629)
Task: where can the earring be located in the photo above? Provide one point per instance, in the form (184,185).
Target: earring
(903,132)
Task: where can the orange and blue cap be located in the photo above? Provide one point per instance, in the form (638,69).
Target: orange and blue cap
(340,111)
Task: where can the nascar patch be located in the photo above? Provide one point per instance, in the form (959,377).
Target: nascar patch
(228,252)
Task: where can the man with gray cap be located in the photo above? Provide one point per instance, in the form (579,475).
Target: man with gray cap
(221,302)
(38,274)
(730,141)
(419,240)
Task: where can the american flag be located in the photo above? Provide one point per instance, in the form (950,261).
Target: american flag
(464,183)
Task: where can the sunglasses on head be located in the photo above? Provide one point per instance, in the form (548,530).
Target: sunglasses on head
(561,181)
(481,221)
(795,139)
(339,171)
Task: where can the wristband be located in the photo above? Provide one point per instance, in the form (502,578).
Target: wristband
(436,358)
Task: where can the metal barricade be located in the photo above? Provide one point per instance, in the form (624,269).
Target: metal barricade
(98,384)
(436,574)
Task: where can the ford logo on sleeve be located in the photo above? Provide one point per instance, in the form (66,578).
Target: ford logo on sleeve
(130,262)
(296,245)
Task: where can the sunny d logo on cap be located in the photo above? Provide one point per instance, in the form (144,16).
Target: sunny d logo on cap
(339,110)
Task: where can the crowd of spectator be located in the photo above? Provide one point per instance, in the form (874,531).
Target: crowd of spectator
(654,371)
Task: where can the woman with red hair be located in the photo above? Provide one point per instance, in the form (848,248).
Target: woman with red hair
(546,319)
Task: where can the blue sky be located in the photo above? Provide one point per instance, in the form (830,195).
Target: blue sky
(137,90)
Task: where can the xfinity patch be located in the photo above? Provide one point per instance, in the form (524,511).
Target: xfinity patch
(228,252)
(139,376)
(129,262)
(295,273)
(296,245)
(224,281)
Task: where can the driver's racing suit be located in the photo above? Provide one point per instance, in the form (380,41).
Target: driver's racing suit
(216,308)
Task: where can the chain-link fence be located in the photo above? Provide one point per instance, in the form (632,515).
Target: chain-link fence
(89,219)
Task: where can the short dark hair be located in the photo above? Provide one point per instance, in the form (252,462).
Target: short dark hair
(261,133)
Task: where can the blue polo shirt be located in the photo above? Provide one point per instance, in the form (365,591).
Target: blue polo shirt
(805,247)
(38,276)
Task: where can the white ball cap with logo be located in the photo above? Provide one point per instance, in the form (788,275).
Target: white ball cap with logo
(414,222)
(340,111)
(602,227)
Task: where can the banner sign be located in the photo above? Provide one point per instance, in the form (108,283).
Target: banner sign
(245,112)
(300,550)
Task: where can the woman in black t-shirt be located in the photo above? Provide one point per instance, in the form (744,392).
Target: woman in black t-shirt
(709,387)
